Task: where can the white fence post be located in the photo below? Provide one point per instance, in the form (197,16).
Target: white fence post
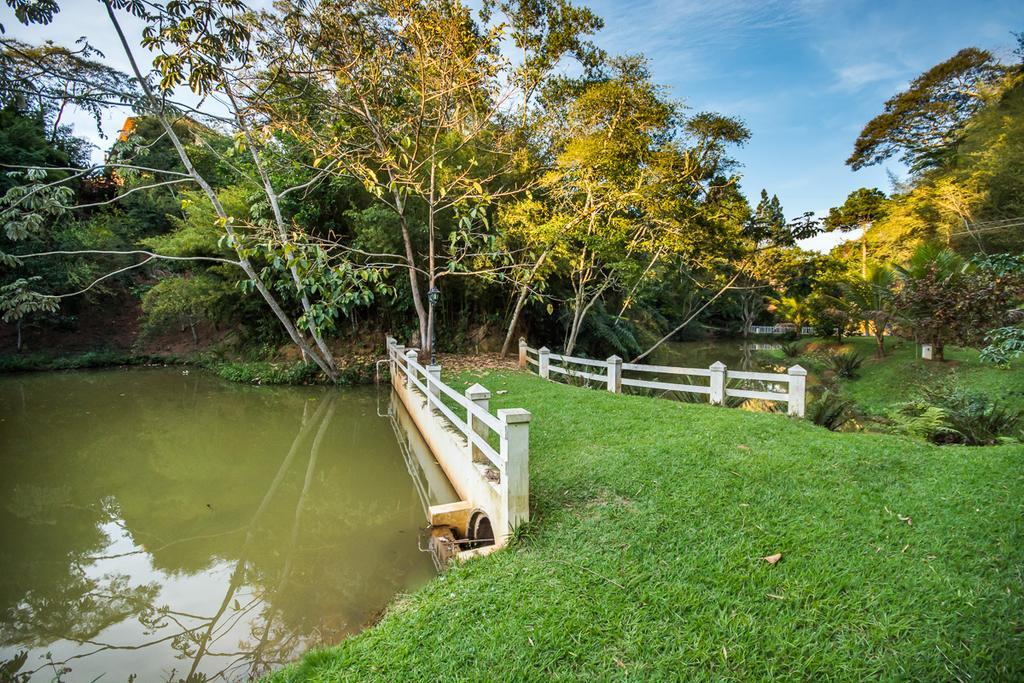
(522,353)
(410,358)
(717,383)
(615,374)
(797,389)
(515,481)
(543,359)
(434,373)
(481,398)
(399,351)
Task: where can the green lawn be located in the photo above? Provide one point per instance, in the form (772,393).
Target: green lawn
(902,376)
(900,560)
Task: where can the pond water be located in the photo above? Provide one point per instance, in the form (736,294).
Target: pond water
(737,354)
(172,526)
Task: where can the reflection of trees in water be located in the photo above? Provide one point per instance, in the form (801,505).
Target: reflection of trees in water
(281,594)
(79,608)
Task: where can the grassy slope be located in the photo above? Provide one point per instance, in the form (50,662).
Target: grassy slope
(901,375)
(644,557)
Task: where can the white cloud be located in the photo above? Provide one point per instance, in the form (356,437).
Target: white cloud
(856,76)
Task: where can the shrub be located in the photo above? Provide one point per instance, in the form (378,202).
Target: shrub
(979,421)
(847,364)
(792,349)
(830,411)
(924,421)
(959,417)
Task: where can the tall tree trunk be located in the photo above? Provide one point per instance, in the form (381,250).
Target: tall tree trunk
(414,285)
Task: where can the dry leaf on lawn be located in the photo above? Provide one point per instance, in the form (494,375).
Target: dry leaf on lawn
(773,559)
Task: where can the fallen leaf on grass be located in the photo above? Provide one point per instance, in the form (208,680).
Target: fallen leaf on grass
(773,559)
(743,447)
(908,520)
(777,597)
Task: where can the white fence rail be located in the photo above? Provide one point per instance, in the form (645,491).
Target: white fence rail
(792,385)
(471,418)
(783,328)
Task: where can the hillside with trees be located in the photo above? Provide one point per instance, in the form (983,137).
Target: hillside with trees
(326,199)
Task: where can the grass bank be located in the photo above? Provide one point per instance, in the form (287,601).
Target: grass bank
(644,557)
(352,372)
(902,375)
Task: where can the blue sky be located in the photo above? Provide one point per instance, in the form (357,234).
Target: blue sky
(805,75)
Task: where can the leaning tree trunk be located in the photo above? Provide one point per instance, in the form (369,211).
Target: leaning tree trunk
(520,302)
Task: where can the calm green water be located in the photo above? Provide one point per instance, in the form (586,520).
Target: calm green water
(737,354)
(168,525)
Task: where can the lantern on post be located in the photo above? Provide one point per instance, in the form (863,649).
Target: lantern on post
(433,296)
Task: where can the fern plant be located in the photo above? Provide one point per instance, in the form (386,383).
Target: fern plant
(792,349)
(924,421)
(846,365)
(830,411)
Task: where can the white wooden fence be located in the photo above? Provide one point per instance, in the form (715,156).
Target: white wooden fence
(783,328)
(610,373)
(496,479)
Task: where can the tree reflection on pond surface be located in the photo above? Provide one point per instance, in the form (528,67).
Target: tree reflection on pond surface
(176,527)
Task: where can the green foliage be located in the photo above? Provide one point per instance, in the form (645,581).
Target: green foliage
(1003,345)
(980,421)
(101,358)
(951,415)
(922,420)
(965,202)
(261,372)
(829,315)
(830,410)
(792,349)
(861,207)
(186,300)
(924,122)
(943,298)
(17,300)
(871,298)
(795,310)
(265,373)
(846,364)
(197,232)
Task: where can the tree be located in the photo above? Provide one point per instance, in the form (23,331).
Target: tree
(861,208)
(794,310)
(415,100)
(186,301)
(943,298)
(209,46)
(768,221)
(829,315)
(629,185)
(925,122)
(871,299)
